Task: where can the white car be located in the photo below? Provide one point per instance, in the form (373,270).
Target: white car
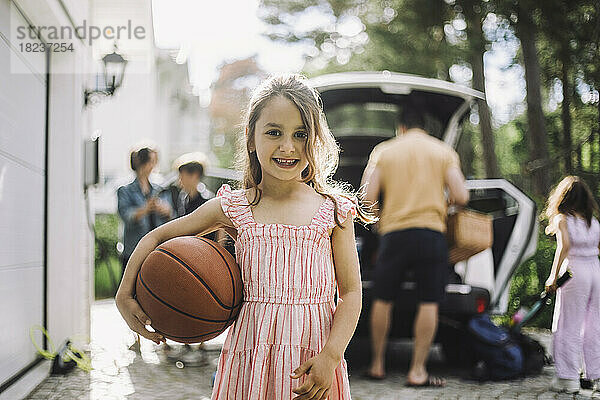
(360,108)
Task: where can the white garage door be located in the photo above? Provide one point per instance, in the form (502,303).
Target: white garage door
(22,200)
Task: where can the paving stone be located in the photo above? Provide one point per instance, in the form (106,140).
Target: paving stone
(120,373)
(547,396)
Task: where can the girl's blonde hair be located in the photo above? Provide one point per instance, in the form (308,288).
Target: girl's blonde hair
(571,195)
(322,150)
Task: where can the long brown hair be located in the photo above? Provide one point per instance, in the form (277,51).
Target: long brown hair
(571,195)
(322,151)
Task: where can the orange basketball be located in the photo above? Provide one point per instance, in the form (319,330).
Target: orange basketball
(191,288)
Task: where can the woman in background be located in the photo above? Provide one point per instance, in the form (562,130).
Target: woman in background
(139,204)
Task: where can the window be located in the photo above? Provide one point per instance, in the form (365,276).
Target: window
(363,119)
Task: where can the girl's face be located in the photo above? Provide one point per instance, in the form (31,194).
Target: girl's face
(280,140)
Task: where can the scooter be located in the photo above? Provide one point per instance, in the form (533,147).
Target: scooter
(523,315)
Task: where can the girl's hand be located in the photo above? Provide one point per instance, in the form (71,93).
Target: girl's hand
(551,284)
(136,318)
(319,371)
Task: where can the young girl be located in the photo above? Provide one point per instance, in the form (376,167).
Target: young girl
(295,246)
(570,213)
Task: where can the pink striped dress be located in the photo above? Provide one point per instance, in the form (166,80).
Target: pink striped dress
(289,287)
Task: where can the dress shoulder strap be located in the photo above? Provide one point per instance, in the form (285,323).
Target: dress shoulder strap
(235,205)
(345,206)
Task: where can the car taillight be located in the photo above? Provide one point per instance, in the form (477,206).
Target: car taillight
(480,304)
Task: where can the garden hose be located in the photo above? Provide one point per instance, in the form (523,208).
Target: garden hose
(70,353)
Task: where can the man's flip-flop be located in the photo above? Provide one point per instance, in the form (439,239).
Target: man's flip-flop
(371,377)
(431,381)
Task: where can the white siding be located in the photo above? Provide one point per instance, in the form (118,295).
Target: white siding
(69,237)
(22,153)
(69,262)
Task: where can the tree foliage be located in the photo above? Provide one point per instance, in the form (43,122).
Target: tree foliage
(399,35)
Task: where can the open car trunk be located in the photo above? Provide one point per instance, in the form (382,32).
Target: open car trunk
(360,108)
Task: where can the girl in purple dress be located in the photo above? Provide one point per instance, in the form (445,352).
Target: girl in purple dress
(576,326)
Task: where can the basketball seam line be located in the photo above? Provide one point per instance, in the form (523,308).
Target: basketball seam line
(214,295)
(228,269)
(174,308)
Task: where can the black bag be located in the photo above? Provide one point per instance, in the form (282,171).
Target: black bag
(534,354)
(497,355)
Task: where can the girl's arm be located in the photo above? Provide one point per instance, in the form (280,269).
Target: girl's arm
(203,220)
(563,245)
(321,368)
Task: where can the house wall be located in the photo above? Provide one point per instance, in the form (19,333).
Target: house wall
(48,273)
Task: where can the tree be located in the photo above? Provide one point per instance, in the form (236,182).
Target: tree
(568,32)
(526,31)
(558,24)
(522,14)
(588,62)
(475,12)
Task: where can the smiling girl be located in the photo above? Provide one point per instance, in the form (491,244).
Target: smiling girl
(295,246)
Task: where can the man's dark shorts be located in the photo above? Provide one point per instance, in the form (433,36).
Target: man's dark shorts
(422,253)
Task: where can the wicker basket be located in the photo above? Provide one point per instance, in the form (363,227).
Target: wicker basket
(468,233)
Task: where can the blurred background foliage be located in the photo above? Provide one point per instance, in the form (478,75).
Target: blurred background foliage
(528,282)
(107,271)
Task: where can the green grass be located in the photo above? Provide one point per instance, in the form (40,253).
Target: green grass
(103,283)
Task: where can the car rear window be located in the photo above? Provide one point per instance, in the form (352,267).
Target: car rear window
(373,119)
(364,119)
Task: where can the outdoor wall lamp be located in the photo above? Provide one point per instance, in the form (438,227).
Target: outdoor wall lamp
(114,69)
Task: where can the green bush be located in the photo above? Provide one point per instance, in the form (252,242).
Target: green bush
(529,280)
(107,276)
(107,265)
(107,236)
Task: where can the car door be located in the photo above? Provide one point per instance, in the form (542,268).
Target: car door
(515,228)
(360,108)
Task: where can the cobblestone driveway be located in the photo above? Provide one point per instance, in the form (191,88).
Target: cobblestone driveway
(120,373)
